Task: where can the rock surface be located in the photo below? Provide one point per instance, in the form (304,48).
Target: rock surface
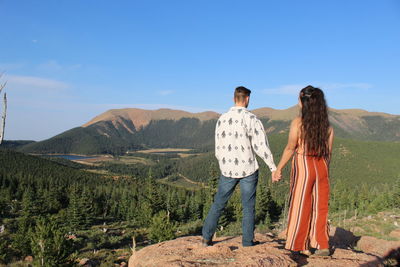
(228,251)
(376,246)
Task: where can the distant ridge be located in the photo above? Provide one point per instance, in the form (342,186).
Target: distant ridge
(277,114)
(118,130)
(142,117)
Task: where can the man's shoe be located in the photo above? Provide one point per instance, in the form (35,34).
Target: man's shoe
(253,243)
(322,252)
(205,242)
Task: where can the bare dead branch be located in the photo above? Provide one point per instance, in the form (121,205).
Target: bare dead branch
(3,118)
(2,86)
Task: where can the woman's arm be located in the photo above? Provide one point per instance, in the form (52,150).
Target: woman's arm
(330,142)
(289,149)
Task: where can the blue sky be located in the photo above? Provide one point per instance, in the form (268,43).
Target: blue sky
(67,61)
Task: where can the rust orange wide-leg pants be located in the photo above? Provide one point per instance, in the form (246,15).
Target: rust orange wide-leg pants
(309,197)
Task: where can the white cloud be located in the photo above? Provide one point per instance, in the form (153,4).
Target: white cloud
(332,86)
(289,89)
(33,83)
(165,92)
(34,41)
(294,89)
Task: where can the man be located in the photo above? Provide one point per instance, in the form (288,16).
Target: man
(238,135)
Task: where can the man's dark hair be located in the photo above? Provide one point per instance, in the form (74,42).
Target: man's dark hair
(241,93)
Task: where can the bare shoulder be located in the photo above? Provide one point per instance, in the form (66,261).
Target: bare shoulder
(330,130)
(296,122)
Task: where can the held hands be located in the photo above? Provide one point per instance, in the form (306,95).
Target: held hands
(276,175)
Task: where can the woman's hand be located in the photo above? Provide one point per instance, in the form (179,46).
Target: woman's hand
(276,175)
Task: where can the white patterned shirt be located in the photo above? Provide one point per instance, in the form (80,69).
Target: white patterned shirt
(238,134)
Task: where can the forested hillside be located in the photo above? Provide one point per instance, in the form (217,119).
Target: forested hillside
(36,192)
(365,175)
(42,199)
(101,138)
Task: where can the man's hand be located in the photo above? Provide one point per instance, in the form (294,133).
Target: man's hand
(276,176)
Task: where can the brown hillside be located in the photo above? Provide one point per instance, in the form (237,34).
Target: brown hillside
(350,120)
(141,117)
(277,114)
(361,112)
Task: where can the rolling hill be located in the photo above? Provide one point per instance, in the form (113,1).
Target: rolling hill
(119,130)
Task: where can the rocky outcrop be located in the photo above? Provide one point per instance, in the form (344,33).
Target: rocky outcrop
(376,246)
(228,251)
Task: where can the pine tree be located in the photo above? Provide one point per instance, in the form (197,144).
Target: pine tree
(20,240)
(29,207)
(227,215)
(4,250)
(264,201)
(76,216)
(51,200)
(172,205)
(161,228)
(236,204)
(195,209)
(154,194)
(144,212)
(212,187)
(49,245)
(86,207)
(267,209)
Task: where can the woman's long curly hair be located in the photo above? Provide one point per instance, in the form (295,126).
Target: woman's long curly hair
(315,122)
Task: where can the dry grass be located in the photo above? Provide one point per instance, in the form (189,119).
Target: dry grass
(164,150)
(94,161)
(133,160)
(378,225)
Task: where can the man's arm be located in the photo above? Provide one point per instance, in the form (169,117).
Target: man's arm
(259,142)
(217,138)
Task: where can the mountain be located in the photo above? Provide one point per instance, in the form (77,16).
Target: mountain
(141,118)
(119,130)
(348,123)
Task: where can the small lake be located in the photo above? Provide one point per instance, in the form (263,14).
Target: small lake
(69,157)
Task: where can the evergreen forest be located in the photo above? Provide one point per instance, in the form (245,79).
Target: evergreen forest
(57,211)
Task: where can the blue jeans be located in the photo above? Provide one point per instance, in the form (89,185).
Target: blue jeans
(226,186)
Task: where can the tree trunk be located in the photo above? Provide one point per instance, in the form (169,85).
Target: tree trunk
(3,116)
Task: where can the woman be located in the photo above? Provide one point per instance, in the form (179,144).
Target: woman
(310,144)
